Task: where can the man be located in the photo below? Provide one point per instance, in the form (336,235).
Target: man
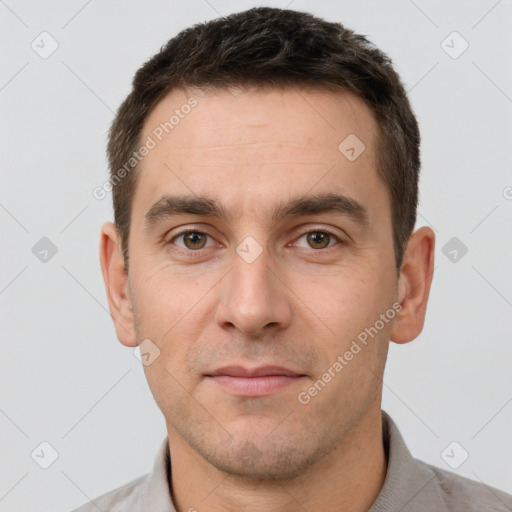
(264,172)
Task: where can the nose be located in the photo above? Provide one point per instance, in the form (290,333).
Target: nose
(253,298)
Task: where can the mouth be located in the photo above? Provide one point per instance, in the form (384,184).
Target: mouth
(260,381)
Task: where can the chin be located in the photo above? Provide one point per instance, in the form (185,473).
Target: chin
(279,459)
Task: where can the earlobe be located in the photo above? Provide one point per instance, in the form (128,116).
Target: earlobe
(414,285)
(116,285)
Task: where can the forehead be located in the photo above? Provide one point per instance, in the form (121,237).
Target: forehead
(265,142)
(243,117)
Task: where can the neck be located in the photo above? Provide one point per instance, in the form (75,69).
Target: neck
(348,479)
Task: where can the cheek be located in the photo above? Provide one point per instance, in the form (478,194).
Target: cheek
(169,315)
(346,301)
(172,392)
(167,300)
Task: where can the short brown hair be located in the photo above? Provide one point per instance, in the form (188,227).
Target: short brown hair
(283,48)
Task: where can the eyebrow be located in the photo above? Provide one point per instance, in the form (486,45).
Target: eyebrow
(169,206)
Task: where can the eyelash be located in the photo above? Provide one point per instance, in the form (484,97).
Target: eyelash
(305,233)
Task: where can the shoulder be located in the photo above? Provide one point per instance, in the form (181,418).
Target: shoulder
(412,485)
(118,499)
(462,494)
(148,492)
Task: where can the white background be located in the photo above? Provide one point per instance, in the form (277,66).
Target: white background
(65,378)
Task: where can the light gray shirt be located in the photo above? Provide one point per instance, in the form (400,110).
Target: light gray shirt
(410,486)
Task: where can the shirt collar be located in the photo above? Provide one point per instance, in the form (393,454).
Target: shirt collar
(158,490)
(405,477)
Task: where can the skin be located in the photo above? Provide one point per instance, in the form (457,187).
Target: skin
(295,305)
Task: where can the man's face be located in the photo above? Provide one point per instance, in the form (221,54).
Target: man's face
(258,302)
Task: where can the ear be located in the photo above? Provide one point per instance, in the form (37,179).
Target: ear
(414,285)
(116,284)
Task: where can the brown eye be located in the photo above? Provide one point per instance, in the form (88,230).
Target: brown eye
(318,239)
(192,240)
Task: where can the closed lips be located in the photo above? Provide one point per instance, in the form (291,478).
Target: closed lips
(264,371)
